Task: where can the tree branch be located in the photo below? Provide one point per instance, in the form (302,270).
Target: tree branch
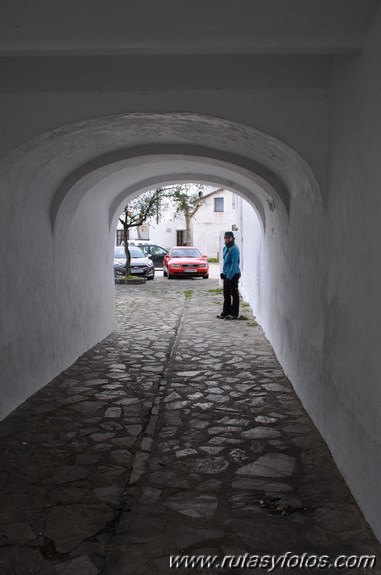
(202,199)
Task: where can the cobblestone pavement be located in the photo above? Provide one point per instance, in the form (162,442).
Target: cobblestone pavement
(177,435)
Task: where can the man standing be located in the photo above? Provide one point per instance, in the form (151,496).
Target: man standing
(230,274)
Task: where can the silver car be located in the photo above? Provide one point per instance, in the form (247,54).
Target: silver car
(141,265)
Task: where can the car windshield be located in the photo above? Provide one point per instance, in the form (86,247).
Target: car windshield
(185,253)
(135,252)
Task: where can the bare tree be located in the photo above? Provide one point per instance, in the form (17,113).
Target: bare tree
(135,214)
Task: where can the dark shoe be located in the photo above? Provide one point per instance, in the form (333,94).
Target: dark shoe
(231,317)
(221,316)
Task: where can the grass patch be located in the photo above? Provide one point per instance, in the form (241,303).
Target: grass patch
(130,277)
(245,304)
(213,260)
(216,290)
(188,293)
(252,324)
(242,317)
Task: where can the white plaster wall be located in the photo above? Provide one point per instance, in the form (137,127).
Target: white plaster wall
(352,415)
(283,278)
(56,297)
(208,224)
(251,256)
(314,286)
(164,233)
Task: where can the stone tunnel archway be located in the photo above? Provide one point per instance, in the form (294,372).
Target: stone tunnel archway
(67,183)
(75,178)
(56,293)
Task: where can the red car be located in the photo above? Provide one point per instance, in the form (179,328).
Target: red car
(185,261)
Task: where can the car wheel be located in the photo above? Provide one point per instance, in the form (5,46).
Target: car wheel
(170,277)
(205,277)
(151,278)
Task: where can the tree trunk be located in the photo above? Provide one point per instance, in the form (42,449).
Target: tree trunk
(188,229)
(127,250)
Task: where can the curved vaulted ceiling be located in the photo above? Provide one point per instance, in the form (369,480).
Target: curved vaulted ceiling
(139,151)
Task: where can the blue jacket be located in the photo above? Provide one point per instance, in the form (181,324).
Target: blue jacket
(231,261)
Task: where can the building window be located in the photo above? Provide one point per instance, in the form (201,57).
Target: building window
(218,204)
(180,238)
(119,237)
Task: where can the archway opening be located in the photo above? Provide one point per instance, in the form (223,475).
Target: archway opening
(181,214)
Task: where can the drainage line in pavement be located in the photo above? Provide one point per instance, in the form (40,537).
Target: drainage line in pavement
(142,455)
(153,416)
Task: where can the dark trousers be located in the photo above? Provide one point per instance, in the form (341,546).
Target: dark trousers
(231,296)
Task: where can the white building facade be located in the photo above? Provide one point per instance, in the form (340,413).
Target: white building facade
(217,214)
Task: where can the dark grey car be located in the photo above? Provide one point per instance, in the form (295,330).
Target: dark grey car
(155,252)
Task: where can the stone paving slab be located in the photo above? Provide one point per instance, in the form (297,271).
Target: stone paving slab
(178,434)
